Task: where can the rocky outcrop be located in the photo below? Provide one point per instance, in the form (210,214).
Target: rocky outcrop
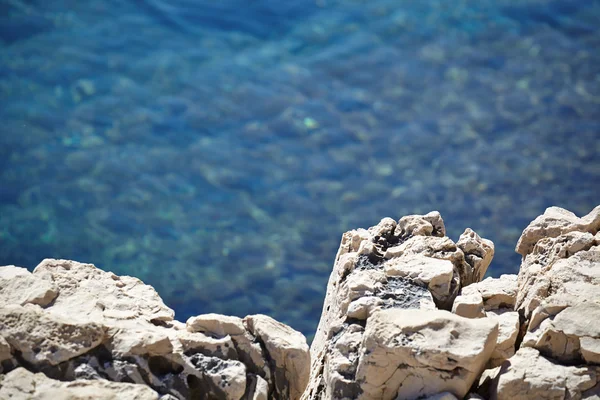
(387,331)
(79,327)
(23,384)
(406,316)
(558,299)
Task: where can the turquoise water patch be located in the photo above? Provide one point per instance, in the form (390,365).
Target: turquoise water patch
(219,152)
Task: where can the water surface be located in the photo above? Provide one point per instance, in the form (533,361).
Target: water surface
(218,150)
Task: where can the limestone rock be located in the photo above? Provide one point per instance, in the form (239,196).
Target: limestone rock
(216,324)
(223,379)
(22,384)
(493,298)
(529,375)
(469,303)
(7,361)
(478,254)
(436,274)
(393,266)
(572,335)
(100,326)
(559,286)
(564,266)
(410,354)
(487,295)
(42,339)
(88,292)
(554,222)
(19,286)
(287,352)
(508,332)
(498,293)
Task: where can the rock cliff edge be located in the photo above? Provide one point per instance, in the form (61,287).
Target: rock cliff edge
(407,315)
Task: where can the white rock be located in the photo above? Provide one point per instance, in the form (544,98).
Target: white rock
(478,255)
(498,293)
(409,265)
(411,353)
(554,222)
(287,350)
(560,335)
(98,325)
(554,269)
(508,331)
(22,384)
(258,388)
(530,376)
(435,273)
(216,324)
(18,286)
(224,379)
(6,357)
(87,292)
(469,304)
(42,339)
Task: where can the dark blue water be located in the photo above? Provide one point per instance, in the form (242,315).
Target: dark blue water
(218,150)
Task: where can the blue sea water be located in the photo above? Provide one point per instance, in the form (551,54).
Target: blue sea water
(218,149)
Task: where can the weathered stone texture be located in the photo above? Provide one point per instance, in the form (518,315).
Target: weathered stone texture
(406,316)
(78,322)
(384,279)
(22,384)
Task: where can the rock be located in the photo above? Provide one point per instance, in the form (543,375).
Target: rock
(430,224)
(88,292)
(100,326)
(493,298)
(478,255)
(388,268)
(385,331)
(529,375)
(508,332)
(7,361)
(559,286)
(19,286)
(554,222)
(47,340)
(258,388)
(436,274)
(410,354)
(565,266)
(498,293)
(287,352)
(222,379)
(469,303)
(22,384)
(572,335)
(487,295)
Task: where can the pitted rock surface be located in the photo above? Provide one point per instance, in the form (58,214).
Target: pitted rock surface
(529,375)
(409,354)
(380,272)
(22,384)
(406,316)
(19,286)
(75,322)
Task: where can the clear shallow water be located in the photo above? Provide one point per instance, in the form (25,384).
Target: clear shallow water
(219,152)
